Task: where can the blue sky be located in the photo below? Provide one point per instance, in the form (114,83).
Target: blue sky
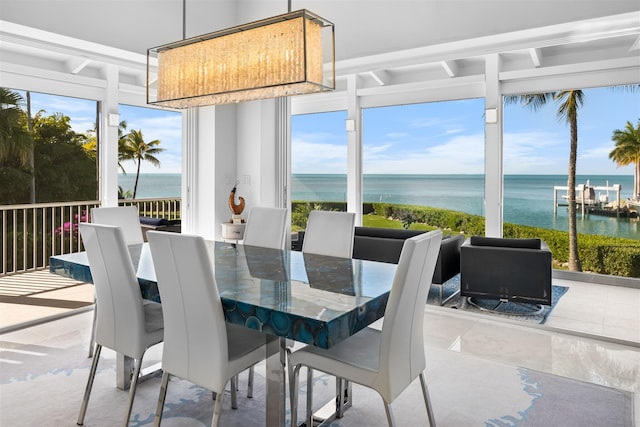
(448,137)
(437,138)
(155,124)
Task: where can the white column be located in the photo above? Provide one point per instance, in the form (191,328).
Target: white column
(283,160)
(209,168)
(108,144)
(283,153)
(189,169)
(493,168)
(354,149)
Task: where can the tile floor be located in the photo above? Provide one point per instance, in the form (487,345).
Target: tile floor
(601,347)
(593,334)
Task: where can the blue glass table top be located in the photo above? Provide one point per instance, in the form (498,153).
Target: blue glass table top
(313,299)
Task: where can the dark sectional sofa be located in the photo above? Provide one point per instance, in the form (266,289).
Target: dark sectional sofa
(385,245)
(516,270)
(160,224)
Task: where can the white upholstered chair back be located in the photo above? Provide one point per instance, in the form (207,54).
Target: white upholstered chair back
(402,342)
(266,227)
(125,217)
(120,322)
(195,337)
(123,322)
(330,233)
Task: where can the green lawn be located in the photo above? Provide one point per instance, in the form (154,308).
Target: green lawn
(372,220)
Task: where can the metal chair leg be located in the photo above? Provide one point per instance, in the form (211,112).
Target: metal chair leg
(427,400)
(161,398)
(132,389)
(92,340)
(87,390)
(250,383)
(217,410)
(390,419)
(234,393)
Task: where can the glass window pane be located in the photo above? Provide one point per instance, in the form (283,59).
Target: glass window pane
(49,153)
(152,139)
(318,164)
(423,155)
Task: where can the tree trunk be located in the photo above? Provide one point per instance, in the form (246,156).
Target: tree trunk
(574,260)
(32,162)
(636,182)
(135,186)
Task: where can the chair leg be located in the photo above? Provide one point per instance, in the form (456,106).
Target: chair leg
(234,392)
(161,397)
(92,340)
(87,390)
(390,419)
(250,383)
(217,410)
(427,400)
(294,373)
(132,389)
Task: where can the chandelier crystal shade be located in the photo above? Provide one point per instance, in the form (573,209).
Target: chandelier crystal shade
(290,54)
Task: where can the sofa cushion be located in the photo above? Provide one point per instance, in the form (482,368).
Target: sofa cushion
(505,242)
(386,233)
(377,248)
(145,220)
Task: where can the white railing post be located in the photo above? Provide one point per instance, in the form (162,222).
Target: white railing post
(23,242)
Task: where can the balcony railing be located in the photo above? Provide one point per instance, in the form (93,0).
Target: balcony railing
(32,233)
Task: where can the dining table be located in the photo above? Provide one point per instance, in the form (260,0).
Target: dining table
(288,295)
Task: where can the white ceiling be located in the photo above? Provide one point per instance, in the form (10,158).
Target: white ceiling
(384,42)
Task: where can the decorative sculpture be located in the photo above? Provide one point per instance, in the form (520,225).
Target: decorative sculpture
(236,208)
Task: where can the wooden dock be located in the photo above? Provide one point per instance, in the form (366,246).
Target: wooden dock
(590,204)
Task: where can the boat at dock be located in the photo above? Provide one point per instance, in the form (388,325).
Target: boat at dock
(590,203)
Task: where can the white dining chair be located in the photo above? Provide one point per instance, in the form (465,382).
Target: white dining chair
(199,345)
(128,219)
(266,227)
(330,233)
(125,217)
(124,323)
(389,360)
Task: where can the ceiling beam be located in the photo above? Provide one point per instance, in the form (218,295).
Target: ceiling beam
(450,67)
(381,77)
(536,56)
(75,65)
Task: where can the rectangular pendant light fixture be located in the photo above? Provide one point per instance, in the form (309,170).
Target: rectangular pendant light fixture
(289,54)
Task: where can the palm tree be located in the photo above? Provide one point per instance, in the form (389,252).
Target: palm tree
(123,153)
(568,101)
(91,146)
(136,149)
(15,140)
(627,152)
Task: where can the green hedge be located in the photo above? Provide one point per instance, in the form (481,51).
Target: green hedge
(598,254)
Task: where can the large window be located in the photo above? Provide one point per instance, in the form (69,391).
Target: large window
(150,153)
(318,164)
(48,148)
(536,159)
(429,154)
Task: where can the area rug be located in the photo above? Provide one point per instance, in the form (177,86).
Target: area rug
(41,384)
(507,310)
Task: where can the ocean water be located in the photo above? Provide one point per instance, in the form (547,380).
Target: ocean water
(528,199)
(152,185)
